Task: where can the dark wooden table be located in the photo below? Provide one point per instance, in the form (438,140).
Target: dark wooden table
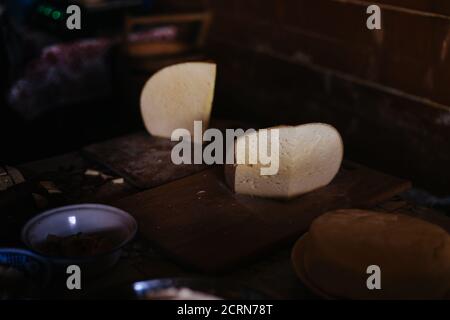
(272,275)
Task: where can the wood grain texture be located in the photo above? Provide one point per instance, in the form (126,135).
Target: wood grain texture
(144,161)
(410,53)
(200,223)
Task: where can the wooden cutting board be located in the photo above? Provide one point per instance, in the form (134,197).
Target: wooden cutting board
(200,223)
(144,161)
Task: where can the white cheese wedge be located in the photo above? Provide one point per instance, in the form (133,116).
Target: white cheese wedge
(309,158)
(177,96)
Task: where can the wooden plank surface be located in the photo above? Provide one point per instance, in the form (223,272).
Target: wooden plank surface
(144,161)
(200,223)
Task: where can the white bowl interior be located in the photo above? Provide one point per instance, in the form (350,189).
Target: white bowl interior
(117,225)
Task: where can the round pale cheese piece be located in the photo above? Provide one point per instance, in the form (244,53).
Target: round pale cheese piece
(413,256)
(309,158)
(177,96)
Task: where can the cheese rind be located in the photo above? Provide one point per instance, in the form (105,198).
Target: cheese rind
(177,96)
(310,156)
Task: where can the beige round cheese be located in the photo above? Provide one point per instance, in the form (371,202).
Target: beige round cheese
(177,96)
(310,156)
(413,256)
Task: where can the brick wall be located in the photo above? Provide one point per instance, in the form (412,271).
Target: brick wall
(387,91)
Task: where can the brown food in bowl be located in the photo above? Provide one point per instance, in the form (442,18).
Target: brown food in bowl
(76,245)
